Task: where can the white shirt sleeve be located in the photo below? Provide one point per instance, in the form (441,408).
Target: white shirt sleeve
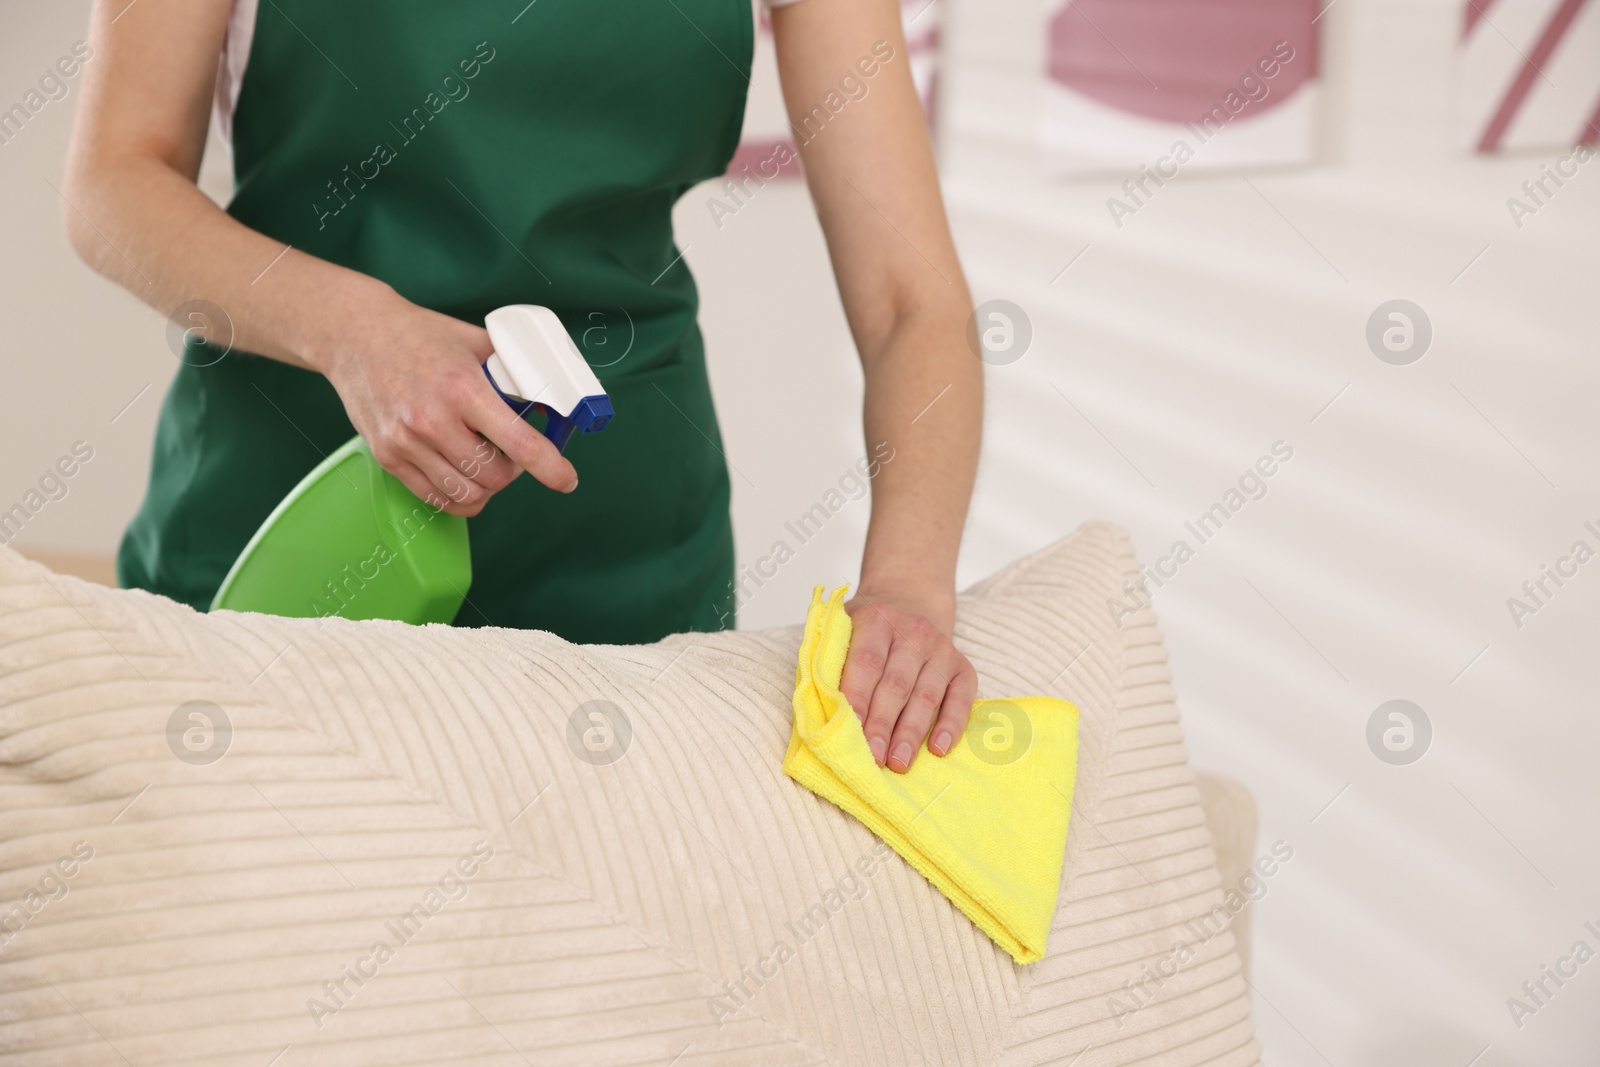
(230,67)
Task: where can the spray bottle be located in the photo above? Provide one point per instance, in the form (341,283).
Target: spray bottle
(351,540)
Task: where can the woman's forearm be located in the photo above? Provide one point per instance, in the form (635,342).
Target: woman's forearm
(924,397)
(132,209)
(872,177)
(142,224)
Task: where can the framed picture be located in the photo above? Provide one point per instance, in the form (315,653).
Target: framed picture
(1530,74)
(1179,85)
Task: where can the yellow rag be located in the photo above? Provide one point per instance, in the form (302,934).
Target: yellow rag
(986,824)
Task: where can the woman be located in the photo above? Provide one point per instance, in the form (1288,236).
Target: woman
(404,168)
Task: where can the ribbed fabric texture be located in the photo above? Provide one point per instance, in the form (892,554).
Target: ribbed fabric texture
(421,848)
(986,823)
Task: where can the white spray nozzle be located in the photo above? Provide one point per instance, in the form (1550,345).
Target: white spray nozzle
(535,360)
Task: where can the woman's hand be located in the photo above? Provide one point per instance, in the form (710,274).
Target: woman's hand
(905,678)
(413,385)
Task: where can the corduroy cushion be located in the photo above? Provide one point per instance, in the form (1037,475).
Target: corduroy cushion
(439,846)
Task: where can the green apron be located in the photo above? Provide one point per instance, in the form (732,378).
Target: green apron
(473,155)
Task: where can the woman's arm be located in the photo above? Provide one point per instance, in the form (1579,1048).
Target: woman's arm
(860,129)
(410,378)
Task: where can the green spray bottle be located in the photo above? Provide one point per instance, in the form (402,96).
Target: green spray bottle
(351,540)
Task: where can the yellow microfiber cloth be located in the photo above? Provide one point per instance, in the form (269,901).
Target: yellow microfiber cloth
(986,824)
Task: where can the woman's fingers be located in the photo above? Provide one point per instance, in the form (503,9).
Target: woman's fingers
(487,465)
(462,495)
(917,716)
(521,444)
(870,638)
(476,447)
(475,458)
(907,683)
(889,698)
(938,709)
(956,707)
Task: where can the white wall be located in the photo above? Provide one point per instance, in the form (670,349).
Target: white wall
(1377,567)
(1379,564)
(75,349)
(83,360)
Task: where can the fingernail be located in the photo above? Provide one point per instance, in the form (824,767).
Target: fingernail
(877,745)
(941,744)
(902,755)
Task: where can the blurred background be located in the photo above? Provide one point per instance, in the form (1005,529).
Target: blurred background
(1380,259)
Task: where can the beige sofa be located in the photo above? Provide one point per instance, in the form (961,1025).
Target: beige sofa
(244,840)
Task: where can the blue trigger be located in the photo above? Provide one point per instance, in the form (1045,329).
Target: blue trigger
(589,415)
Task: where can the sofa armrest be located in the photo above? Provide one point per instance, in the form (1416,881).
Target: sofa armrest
(1231,817)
